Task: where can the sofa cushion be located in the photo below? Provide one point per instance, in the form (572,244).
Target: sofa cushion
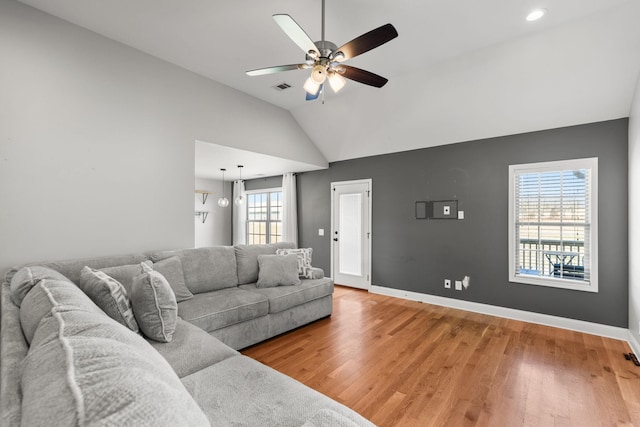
(284,297)
(246,391)
(171,269)
(192,349)
(109,295)
(329,418)
(87,369)
(304,260)
(27,277)
(37,304)
(125,274)
(71,268)
(13,350)
(217,309)
(247,259)
(277,270)
(205,269)
(154,304)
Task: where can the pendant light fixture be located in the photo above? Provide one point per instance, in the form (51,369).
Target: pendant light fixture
(223,202)
(240,199)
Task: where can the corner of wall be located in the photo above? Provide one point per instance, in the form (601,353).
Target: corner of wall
(634,215)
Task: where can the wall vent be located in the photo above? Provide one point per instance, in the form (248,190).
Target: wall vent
(282,86)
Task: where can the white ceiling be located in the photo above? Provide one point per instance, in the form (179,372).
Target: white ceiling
(210,158)
(459,70)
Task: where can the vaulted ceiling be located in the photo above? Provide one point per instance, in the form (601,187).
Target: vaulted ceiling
(459,70)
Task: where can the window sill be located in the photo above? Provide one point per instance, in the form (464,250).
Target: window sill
(556,283)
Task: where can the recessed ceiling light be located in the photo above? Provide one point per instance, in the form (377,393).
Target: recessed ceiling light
(536,14)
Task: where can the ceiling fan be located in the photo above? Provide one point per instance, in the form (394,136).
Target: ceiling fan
(325,59)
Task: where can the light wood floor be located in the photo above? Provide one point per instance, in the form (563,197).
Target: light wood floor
(404,363)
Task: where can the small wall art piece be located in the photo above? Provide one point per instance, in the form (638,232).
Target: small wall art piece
(437,209)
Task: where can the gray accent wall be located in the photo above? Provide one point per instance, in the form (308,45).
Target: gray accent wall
(417,255)
(263,183)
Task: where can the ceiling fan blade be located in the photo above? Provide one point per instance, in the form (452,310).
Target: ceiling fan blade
(310,97)
(277,69)
(366,42)
(296,33)
(362,76)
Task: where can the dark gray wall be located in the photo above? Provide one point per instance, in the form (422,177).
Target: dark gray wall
(417,255)
(263,183)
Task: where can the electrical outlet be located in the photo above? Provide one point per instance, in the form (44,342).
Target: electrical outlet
(458,285)
(447,283)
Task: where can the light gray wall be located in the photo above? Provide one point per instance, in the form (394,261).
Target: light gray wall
(216,230)
(97,141)
(634,215)
(417,255)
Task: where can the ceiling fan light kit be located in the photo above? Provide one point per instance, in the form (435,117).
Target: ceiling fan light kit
(325,58)
(311,87)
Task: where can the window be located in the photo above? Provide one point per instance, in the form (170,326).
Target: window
(553,224)
(264,216)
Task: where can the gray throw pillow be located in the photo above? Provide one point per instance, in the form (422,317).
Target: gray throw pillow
(304,260)
(154,305)
(124,274)
(277,270)
(171,269)
(109,295)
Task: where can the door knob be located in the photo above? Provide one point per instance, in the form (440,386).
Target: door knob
(335,239)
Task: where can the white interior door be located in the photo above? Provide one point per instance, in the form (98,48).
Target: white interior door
(351,233)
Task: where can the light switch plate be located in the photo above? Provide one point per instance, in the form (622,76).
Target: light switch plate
(320,231)
(460,214)
(458,285)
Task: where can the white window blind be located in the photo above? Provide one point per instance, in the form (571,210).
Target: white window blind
(553,224)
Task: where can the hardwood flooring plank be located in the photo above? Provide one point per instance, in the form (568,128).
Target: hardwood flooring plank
(405,363)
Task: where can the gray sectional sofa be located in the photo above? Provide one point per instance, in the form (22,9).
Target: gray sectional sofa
(64,361)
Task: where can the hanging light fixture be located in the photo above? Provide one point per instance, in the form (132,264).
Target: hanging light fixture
(240,199)
(223,202)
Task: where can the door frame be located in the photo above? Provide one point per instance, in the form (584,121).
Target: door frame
(370,198)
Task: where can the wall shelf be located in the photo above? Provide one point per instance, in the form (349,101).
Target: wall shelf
(204,194)
(203,215)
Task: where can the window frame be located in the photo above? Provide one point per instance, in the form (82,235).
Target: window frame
(590,164)
(268,221)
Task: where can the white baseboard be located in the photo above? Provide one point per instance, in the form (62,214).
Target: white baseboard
(511,313)
(633,343)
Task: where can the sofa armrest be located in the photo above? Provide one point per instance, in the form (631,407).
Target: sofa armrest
(317,273)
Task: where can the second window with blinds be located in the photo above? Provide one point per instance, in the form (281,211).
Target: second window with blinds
(264,216)
(553,224)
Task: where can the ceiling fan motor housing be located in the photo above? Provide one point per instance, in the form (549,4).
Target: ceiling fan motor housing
(326,49)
